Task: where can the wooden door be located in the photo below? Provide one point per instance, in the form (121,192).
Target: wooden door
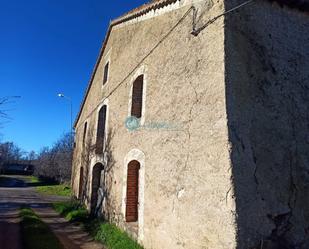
(132,192)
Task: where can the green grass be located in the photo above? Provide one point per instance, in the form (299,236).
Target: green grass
(35,233)
(60,190)
(34,179)
(114,238)
(72,211)
(108,234)
(49,189)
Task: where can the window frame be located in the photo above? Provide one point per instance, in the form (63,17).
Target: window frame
(136,99)
(98,126)
(103,103)
(106,73)
(85,131)
(106,60)
(140,71)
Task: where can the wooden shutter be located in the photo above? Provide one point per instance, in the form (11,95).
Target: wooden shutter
(101,130)
(137,97)
(132,192)
(105,77)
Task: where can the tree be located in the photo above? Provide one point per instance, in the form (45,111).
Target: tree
(88,152)
(55,163)
(10,153)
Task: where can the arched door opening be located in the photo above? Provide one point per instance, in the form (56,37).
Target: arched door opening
(81,183)
(97,189)
(132,191)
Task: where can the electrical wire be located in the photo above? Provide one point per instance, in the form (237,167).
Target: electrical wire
(196,32)
(142,60)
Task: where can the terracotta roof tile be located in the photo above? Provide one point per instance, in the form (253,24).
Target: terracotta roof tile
(143,9)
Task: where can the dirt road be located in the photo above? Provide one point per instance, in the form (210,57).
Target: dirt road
(14,193)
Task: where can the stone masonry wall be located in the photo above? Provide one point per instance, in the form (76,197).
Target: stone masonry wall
(187,200)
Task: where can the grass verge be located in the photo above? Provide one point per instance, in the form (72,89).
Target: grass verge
(48,187)
(72,211)
(34,179)
(60,190)
(35,233)
(108,234)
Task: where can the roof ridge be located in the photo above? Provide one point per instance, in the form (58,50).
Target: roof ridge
(146,7)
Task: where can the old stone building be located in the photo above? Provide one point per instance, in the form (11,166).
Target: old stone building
(194,129)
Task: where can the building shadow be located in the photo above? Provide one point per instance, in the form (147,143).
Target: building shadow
(267,103)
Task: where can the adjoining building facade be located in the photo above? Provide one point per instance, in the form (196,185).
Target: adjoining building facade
(193,132)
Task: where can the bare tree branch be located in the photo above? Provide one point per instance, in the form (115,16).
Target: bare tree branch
(4,101)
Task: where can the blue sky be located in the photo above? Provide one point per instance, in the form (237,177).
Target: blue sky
(46,47)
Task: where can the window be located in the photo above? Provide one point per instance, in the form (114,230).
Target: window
(101,130)
(137,97)
(105,75)
(132,191)
(85,132)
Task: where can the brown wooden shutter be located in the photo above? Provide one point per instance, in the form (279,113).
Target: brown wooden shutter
(137,97)
(101,130)
(132,192)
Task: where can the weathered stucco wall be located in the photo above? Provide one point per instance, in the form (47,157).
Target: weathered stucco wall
(187,173)
(267,98)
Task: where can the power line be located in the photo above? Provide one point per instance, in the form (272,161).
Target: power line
(196,32)
(143,59)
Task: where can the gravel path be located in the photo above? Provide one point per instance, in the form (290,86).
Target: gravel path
(72,237)
(15,193)
(9,229)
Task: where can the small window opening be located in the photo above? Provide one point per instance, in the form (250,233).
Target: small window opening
(85,132)
(105,77)
(101,130)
